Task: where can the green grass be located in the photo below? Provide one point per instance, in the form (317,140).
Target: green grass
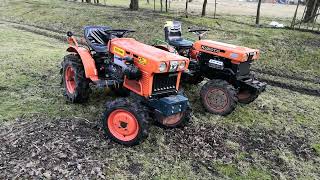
(30,80)
(284,51)
(29,76)
(30,87)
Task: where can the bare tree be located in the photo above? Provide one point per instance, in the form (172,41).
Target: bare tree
(215,9)
(186,11)
(311,12)
(204,6)
(258,13)
(134,5)
(166,5)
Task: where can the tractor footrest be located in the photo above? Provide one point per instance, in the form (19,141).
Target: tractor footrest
(105,83)
(170,105)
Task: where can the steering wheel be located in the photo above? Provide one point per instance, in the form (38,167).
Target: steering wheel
(119,32)
(199,32)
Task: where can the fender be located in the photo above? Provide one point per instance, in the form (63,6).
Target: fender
(87,61)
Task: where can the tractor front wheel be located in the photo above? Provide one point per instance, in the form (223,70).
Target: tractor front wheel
(176,120)
(247,96)
(76,85)
(218,97)
(125,122)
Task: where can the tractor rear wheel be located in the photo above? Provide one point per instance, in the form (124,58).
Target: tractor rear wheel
(246,96)
(126,122)
(76,85)
(219,97)
(176,120)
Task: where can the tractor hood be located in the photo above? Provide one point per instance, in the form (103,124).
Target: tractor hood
(147,58)
(233,52)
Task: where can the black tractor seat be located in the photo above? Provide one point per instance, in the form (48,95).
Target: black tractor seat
(173,35)
(180,43)
(97,38)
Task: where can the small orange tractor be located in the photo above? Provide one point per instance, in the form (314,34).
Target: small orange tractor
(149,75)
(227,66)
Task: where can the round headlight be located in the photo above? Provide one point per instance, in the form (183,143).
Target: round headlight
(163,67)
(182,65)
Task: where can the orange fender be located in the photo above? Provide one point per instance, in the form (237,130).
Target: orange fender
(87,61)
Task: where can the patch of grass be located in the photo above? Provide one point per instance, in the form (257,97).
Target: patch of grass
(30,79)
(284,51)
(316,147)
(230,171)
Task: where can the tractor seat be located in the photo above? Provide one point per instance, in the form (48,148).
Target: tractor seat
(97,38)
(181,43)
(173,35)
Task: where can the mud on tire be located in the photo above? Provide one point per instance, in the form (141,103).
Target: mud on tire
(74,81)
(184,119)
(125,121)
(246,96)
(219,97)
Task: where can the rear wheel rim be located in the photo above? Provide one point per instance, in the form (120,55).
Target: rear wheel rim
(70,79)
(123,125)
(216,99)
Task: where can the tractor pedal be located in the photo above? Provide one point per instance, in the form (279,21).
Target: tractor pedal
(105,83)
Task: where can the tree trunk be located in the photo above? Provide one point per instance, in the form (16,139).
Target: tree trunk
(154,5)
(134,5)
(312,7)
(258,13)
(186,11)
(161,5)
(215,9)
(204,6)
(166,5)
(148,1)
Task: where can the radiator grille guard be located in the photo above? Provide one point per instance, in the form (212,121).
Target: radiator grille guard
(244,68)
(164,83)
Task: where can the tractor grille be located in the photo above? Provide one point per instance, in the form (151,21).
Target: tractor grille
(164,82)
(244,68)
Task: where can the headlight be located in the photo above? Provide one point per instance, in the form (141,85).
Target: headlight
(163,67)
(173,66)
(182,65)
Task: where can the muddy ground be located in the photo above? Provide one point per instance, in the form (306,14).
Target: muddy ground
(76,148)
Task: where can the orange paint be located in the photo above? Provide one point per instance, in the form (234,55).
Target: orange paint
(123,125)
(152,58)
(224,50)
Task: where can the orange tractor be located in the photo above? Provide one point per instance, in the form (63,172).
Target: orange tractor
(149,75)
(227,66)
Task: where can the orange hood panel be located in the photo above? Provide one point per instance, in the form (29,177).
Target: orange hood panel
(144,50)
(233,52)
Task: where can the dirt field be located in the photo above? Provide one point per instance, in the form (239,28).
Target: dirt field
(43,136)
